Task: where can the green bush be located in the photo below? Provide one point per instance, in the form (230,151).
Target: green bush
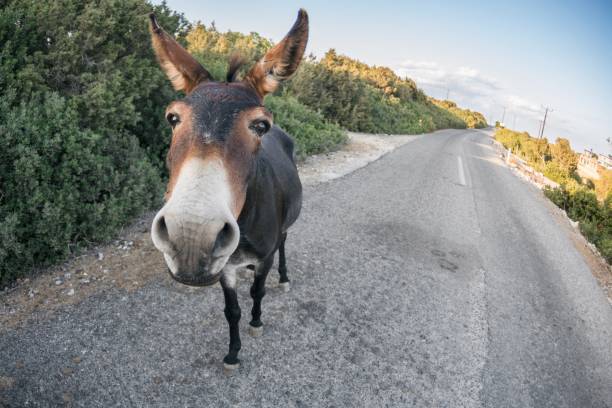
(365,99)
(311,132)
(595,218)
(62,185)
(82,133)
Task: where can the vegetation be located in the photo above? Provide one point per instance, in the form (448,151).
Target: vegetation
(311,132)
(559,162)
(366,99)
(82,132)
(82,135)
(472,119)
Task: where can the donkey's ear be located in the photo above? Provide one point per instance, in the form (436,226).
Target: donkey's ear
(182,69)
(282,60)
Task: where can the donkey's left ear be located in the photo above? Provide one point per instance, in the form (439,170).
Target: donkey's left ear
(180,67)
(282,60)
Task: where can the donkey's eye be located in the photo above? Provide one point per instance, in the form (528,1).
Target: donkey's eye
(173,119)
(260,127)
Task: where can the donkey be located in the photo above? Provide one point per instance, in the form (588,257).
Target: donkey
(234,188)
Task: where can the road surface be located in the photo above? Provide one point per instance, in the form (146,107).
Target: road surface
(431,277)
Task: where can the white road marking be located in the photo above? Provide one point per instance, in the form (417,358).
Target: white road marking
(461,174)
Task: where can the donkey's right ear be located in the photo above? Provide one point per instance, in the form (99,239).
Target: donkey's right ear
(182,69)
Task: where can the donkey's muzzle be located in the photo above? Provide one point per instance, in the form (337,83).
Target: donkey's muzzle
(195,250)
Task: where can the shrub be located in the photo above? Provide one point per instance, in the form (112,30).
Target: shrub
(366,99)
(595,218)
(82,133)
(311,132)
(62,185)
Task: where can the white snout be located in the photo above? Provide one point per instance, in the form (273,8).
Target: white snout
(196,230)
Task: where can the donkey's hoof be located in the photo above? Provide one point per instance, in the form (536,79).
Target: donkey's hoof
(229,369)
(284,287)
(255,331)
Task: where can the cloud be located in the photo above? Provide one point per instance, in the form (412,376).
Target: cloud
(469,87)
(472,89)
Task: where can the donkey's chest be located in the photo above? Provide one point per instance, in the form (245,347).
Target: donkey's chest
(238,260)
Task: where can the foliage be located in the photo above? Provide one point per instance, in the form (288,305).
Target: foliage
(366,99)
(213,48)
(603,186)
(595,217)
(562,153)
(472,119)
(82,136)
(311,132)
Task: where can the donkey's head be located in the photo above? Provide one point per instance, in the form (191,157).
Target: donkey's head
(216,133)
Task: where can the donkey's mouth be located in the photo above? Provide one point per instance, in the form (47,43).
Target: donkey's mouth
(205,280)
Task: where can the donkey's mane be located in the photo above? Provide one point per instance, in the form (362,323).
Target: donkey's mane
(236,62)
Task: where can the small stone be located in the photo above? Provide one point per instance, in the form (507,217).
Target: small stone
(105,270)
(6,382)
(70,292)
(58,282)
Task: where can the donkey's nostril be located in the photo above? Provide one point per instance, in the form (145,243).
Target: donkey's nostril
(161,237)
(224,240)
(162,229)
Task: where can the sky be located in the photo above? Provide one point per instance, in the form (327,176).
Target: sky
(487,55)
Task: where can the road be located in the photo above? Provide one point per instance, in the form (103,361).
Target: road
(432,277)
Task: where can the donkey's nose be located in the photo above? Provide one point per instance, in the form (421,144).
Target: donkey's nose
(190,240)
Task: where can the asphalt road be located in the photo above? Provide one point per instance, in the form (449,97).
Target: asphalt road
(431,277)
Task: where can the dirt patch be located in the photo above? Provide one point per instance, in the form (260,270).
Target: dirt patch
(131,261)
(126,263)
(361,150)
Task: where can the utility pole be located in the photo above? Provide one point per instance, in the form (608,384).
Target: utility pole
(503,115)
(547,109)
(539,128)
(447,93)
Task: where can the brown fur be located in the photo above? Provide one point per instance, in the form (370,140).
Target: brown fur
(236,155)
(182,69)
(282,60)
(279,63)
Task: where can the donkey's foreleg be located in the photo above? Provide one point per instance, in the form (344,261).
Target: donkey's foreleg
(282,265)
(232,314)
(258,291)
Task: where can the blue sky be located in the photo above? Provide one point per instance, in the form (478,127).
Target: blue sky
(519,54)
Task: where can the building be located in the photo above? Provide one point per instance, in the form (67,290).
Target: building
(591,164)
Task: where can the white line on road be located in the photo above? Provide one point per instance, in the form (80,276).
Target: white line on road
(461,174)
